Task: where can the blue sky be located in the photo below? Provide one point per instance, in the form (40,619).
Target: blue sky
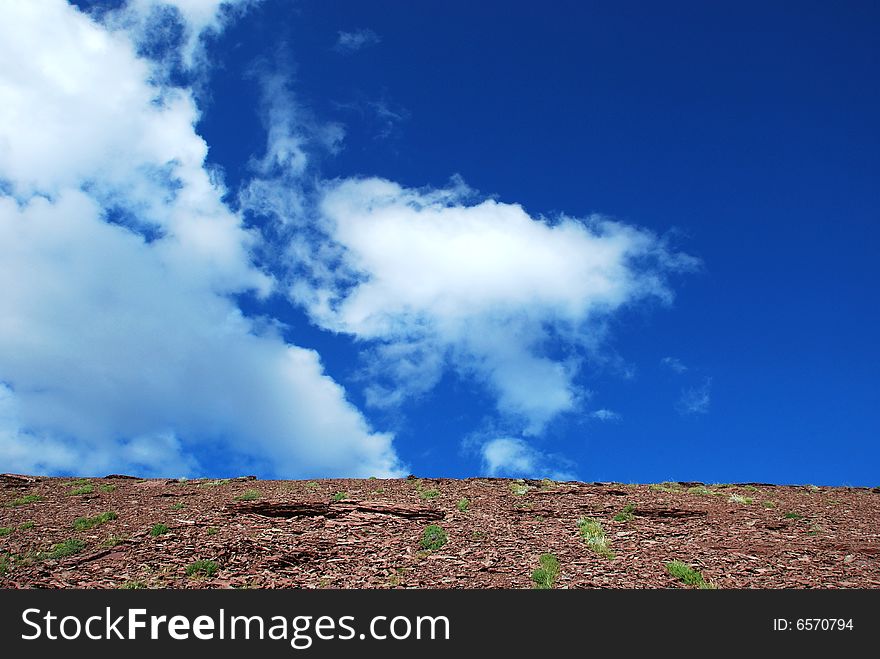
(605,241)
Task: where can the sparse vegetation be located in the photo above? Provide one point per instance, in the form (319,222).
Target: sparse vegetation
(812,488)
(23,501)
(180,505)
(463,505)
(626,514)
(79,490)
(311,485)
(107,488)
(212,530)
(25,526)
(5,563)
(737,498)
(113,541)
(339,496)
(433,537)
(594,535)
(248,495)
(519,488)
(158,529)
(769,504)
(133,585)
(5,530)
(63,549)
(201,568)
(794,516)
(665,486)
(84,523)
(544,577)
(750,488)
(215,483)
(684,572)
(427,495)
(546,483)
(702,491)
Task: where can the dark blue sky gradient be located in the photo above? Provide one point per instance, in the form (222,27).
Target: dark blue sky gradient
(745,131)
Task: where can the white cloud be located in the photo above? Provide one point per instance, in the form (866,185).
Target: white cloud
(350,42)
(120,347)
(438,281)
(513,457)
(673,364)
(695,400)
(605,415)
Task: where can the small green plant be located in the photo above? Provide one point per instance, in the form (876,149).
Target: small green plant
(67,548)
(5,563)
(626,514)
(750,488)
(594,535)
(433,537)
(180,505)
(248,495)
(113,541)
(82,489)
(702,491)
(812,488)
(684,572)
(665,486)
(519,488)
(5,530)
(794,516)
(109,487)
(133,585)
(547,484)
(736,498)
(463,505)
(545,576)
(83,523)
(769,504)
(201,568)
(158,529)
(427,495)
(25,526)
(212,530)
(311,485)
(339,496)
(23,501)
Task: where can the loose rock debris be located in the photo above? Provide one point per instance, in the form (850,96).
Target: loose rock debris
(295,535)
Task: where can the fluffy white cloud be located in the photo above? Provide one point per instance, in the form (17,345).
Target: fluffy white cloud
(605,415)
(483,287)
(120,347)
(513,457)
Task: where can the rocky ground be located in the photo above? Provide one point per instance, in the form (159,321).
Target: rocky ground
(125,532)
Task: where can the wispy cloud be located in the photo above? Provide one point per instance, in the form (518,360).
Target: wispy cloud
(674,364)
(695,400)
(514,457)
(355,40)
(605,415)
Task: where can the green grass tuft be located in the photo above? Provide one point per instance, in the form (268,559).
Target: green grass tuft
(248,495)
(794,516)
(25,526)
(626,514)
(5,530)
(545,576)
(433,537)
(594,535)
(463,505)
(427,495)
(82,489)
(109,487)
(736,498)
(133,585)
(66,548)
(158,529)
(339,496)
(684,572)
(201,568)
(83,523)
(23,501)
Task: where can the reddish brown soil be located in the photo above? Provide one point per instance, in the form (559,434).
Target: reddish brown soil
(294,535)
